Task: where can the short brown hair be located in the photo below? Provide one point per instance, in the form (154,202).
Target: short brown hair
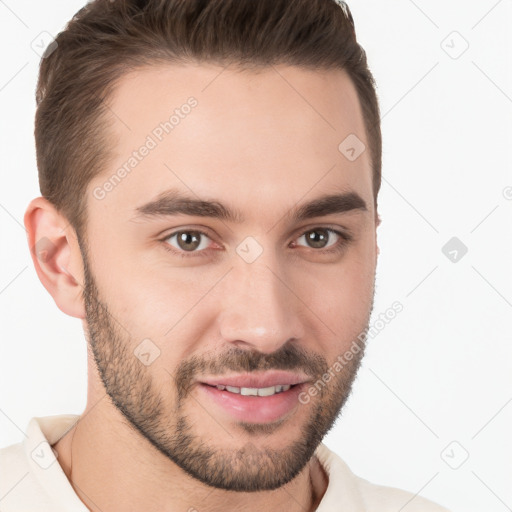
(108,38)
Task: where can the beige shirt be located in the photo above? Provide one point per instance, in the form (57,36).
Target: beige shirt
(32,480)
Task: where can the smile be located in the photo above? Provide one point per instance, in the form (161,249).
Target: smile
(268,391)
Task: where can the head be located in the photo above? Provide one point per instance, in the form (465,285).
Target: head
(209,175)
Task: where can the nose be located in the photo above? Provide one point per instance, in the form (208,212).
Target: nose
(258,307)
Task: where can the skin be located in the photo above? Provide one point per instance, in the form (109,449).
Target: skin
(257,144)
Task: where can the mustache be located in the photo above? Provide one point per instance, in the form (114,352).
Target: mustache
(288,357)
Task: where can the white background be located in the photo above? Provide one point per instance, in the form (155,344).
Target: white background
(441,371)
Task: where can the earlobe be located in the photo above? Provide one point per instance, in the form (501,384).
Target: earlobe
(56,255)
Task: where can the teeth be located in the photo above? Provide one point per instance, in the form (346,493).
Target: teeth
(267,391)
(272,390)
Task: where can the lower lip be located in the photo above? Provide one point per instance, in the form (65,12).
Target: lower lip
(255,409)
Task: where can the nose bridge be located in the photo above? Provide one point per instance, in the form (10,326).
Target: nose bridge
(257,307)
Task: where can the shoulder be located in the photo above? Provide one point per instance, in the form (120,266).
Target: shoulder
(31,478)
(17,482)
(345,489)
(381,498)
(13,466)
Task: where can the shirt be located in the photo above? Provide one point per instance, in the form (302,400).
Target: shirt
(32,480)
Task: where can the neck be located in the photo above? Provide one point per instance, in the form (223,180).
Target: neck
(111,467)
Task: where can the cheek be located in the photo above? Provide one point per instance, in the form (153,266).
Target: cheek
(166,308)
(340,296)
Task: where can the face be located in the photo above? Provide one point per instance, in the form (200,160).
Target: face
(230,265)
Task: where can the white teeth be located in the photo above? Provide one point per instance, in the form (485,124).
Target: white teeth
(267,391)
(272,390)
(249,391)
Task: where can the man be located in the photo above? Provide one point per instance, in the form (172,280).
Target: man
(209,175)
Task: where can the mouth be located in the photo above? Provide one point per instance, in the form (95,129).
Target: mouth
(255,398)
(267,391)
(257,380)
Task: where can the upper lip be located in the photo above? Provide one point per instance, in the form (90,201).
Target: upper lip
(258,380)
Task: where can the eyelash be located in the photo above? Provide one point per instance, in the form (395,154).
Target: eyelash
(344,240)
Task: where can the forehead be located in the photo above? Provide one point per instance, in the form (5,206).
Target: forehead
(267,137)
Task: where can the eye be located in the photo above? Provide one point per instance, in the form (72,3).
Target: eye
(187,241)
(325,238)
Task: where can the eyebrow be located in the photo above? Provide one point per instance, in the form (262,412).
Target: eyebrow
(175,202)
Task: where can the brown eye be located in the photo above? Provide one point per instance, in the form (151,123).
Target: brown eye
(317,238)
(325,241)
(188,241)
(320,238)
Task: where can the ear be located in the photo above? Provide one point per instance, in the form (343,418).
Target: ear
(56,255)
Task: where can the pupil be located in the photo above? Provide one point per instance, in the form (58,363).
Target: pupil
(318,241)
(188,241)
